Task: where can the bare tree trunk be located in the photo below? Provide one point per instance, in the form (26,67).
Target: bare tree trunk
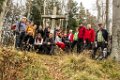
(2,15)
(98,10)
(107,15)
(116,30)
(3,12)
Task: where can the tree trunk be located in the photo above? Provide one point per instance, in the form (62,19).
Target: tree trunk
(3,12)
(98,10)
(2,15)
(116,30)
(107,15)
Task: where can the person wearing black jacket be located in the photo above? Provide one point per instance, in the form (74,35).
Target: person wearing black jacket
(101,42)
(40,30)
(46,32)
(49,44)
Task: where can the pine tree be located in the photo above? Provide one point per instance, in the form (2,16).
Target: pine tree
(82,14)
(72,10)
(36,11)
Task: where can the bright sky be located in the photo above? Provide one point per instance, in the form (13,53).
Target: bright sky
(89,4)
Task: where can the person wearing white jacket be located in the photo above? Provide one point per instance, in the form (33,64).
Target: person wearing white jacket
(38,42)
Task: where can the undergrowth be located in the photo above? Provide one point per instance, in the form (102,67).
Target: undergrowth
(17,65)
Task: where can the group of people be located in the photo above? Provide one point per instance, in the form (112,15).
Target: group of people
(28,36)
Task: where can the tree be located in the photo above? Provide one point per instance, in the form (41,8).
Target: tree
(3,8)
(72,11)
(35,10)
(38,7)
(107,14)
(116,30)
(1,4)
(82,11)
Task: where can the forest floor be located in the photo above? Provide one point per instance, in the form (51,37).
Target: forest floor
(17,65)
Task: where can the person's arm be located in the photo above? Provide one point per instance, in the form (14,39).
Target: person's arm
(17,25)
(41,42)
(56,39)
(35,42)
(84,32)
(93,36)
(107,34)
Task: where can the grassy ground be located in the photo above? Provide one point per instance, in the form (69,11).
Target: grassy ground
(16,65)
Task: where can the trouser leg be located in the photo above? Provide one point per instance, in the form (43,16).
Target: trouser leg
(79,45)
(73,45)
(21,38)
(95,50)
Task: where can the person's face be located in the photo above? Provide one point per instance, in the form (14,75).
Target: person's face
(39,35)
(100,26)
(50,35)
(35,26)
(81,24)
(76,29)
(60,34)
(65,35)
(32,23)
(40,27)
(89,26)
(27,23)
(24,20)
(48,29)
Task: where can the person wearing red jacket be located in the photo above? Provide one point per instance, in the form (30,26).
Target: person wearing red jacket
(81,38)
(89,36)
(70,36)
(59,42)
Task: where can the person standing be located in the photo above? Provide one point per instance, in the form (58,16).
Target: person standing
(30,33)
(81,39)
(20,32)
(89,36)
(101,41)
(75,39)
(70,36)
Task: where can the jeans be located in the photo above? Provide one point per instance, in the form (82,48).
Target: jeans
(19,39)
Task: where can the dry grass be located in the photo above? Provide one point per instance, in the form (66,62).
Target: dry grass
(16,65)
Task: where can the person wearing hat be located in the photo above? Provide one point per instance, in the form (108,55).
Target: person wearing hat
(101,41)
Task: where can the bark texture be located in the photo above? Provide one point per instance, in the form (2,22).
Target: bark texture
(116,30)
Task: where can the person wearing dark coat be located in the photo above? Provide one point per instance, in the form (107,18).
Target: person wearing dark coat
(46,33)
(49,44)
(101,42)
(40,30)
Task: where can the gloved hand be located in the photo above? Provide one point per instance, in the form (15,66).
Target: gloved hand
(95,43)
